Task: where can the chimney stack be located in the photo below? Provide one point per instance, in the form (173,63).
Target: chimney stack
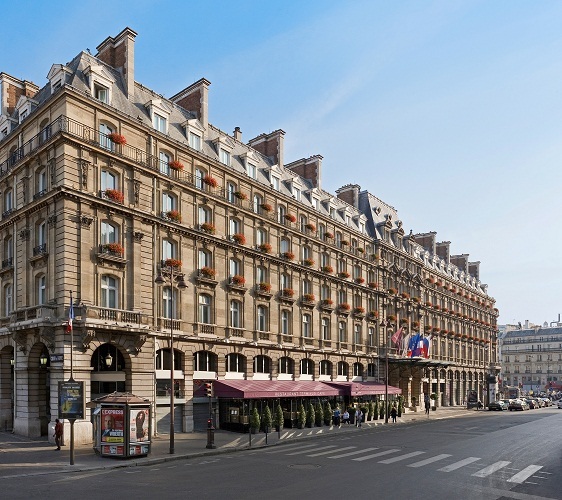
(195,98)
(270,145)
(350,194)
(11,89)
(237,134)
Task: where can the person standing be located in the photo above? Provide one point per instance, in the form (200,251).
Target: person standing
(358,417)
(427,405)
(346,417)
(393,413)
(337,417)
(58,433)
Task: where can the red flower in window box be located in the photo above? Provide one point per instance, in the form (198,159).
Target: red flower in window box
(430,280)
(329,236)
(240,195)
(327,302)
(417,300)
(176,165)
(114,248)
(115,195)
(210,181)
(403,321)
(427,328)
(174,215)
(208,227)
(288,255)
(311,227)
(308,297)
(435,329)
(308,262)
(291,218)
(343,274)
(175,263)
(265,247)
(392,291)
(266,207)
(359,280)
(117,138)
(328,269)
(391,318)
(287,292)
(344,306)
(405,295)
(239,238)
(208,272)
(264,287)
(416,324)
(359,310)
(360,250)
(373,285)
(344,243)
(238,280)
(374,314)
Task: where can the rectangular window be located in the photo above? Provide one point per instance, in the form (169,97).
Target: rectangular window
(297,193)
(101,93)
(224,157)
(275,183)
(252,171)
(159,123)
(195,141)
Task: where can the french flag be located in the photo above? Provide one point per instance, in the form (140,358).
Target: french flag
(422,348)
(70,317)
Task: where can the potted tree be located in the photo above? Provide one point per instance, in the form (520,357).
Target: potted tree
(376,410)
(301,417)
(267,420)
(255,421)
(278,418)
(310,415)
(400,405)
(327,413)
(319,414)
(382,406)
(433,398)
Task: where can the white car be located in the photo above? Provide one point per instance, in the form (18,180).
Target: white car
(559,403)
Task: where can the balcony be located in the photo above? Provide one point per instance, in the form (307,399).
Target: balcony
(261,335)
(7,265)
(165,324)
(235,332)
(40,194)
(204,329)
(131,318)
(106,254)
(39,253)
(263,291)
(236,284)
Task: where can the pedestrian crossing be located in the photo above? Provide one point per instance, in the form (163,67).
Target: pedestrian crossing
(388,456)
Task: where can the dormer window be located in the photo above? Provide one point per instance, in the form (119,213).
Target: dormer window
(57,76)
(275,182)
(195,141)
(23,115)
(160,123)
(297,193)
(101,93)
(100,82)
(224,156)
(252,171)
(159,112)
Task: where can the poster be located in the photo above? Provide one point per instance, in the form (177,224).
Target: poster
(71,400)
(138,425)
(112,425)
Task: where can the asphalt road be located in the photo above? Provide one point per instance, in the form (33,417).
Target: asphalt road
(490,455)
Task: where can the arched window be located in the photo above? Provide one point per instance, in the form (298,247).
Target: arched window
(164,163)
(204,258)
(235,226)
(286,365)
(262,364)
(258,201)
(261,325)
(235,362)
(169,302)
(261,236)
(205,308)
(45,129)
(235,318)
(284,245)
(285,322)
(164,359)
(343,369)
(306,326)
(108,233)
(109,292)
(307,367)
(325,323)
(371,370)
(371,337)
(342,331)
(357,369)
(205,361)
(205,215)
(325,368)
(357,334)
(169,202)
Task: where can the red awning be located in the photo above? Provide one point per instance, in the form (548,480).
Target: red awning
(255,389)
(365,388)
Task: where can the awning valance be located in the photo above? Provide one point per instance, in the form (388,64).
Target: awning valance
(255,389)
(365,388)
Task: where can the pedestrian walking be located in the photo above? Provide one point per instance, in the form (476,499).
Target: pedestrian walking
(358,417)
(58,433)
(346,417)
(337,417)
(427,405)
(393,413)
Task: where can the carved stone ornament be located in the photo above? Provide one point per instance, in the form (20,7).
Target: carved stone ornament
(20,338)
(24,234)
(52,220)
(84,164)
(86,220)
(138,235)
(87,338)
(136,190)
(47,335)
(139,342)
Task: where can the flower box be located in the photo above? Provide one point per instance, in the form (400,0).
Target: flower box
(238,280)
(403,321)
(265,247)
(208,272)
(327,302)
(344,243)
(174,215)
(344,306)
(308,262)
(343,274)
(373,285)
(175,263)
(208,227)
(308,297)
(240,195)
(430,280)
(391,318)
(266,207)
(287,292)
(117,138)
(416,324)
(329,236)
(373,314)
(291,218)
(360,250)
(392,291)
(210,181)
(114,248)
(359,310)
(427,328)
(405,295)
(359,280)
(115,195)
(176,165)
(310,227)
(239,238)
(327,269)
(288,255)
(264,287)
(417,300)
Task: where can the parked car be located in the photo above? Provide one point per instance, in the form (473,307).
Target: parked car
(547,401)
(559,404)
(518,404)
(533,403)
(498,405)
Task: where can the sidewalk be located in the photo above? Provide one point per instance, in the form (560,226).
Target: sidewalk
(20,456)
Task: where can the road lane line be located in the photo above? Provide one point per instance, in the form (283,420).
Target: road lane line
(301,452)
(401,457)
(292,447)
(430,460)
(526,473)
(330,451)
(459,464)
(375,455)
(356,452)
(486,471)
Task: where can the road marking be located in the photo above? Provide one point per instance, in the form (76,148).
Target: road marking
(401,457)
(357,452)
(430,460)
(526,473)
(330,451)
(292,447)
(313,449)
(486,471)
(379,454)
(458,465)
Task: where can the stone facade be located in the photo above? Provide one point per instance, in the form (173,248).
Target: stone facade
(277,268)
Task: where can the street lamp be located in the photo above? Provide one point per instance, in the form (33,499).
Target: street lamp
(386,324)
(168,274)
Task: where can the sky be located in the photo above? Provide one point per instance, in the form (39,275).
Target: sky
(450,111)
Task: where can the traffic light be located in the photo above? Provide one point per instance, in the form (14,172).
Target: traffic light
(209,389)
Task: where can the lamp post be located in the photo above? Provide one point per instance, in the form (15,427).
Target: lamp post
(386,324)
(168,274)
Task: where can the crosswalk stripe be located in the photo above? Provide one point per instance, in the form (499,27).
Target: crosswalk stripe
(459,464)
(486,471)
(526,473)
(301,452)
(282,449)
(380,454)
(401,457)
(429,460)
(330,451)
(356,452)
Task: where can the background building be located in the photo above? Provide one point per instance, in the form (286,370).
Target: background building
(105,184)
